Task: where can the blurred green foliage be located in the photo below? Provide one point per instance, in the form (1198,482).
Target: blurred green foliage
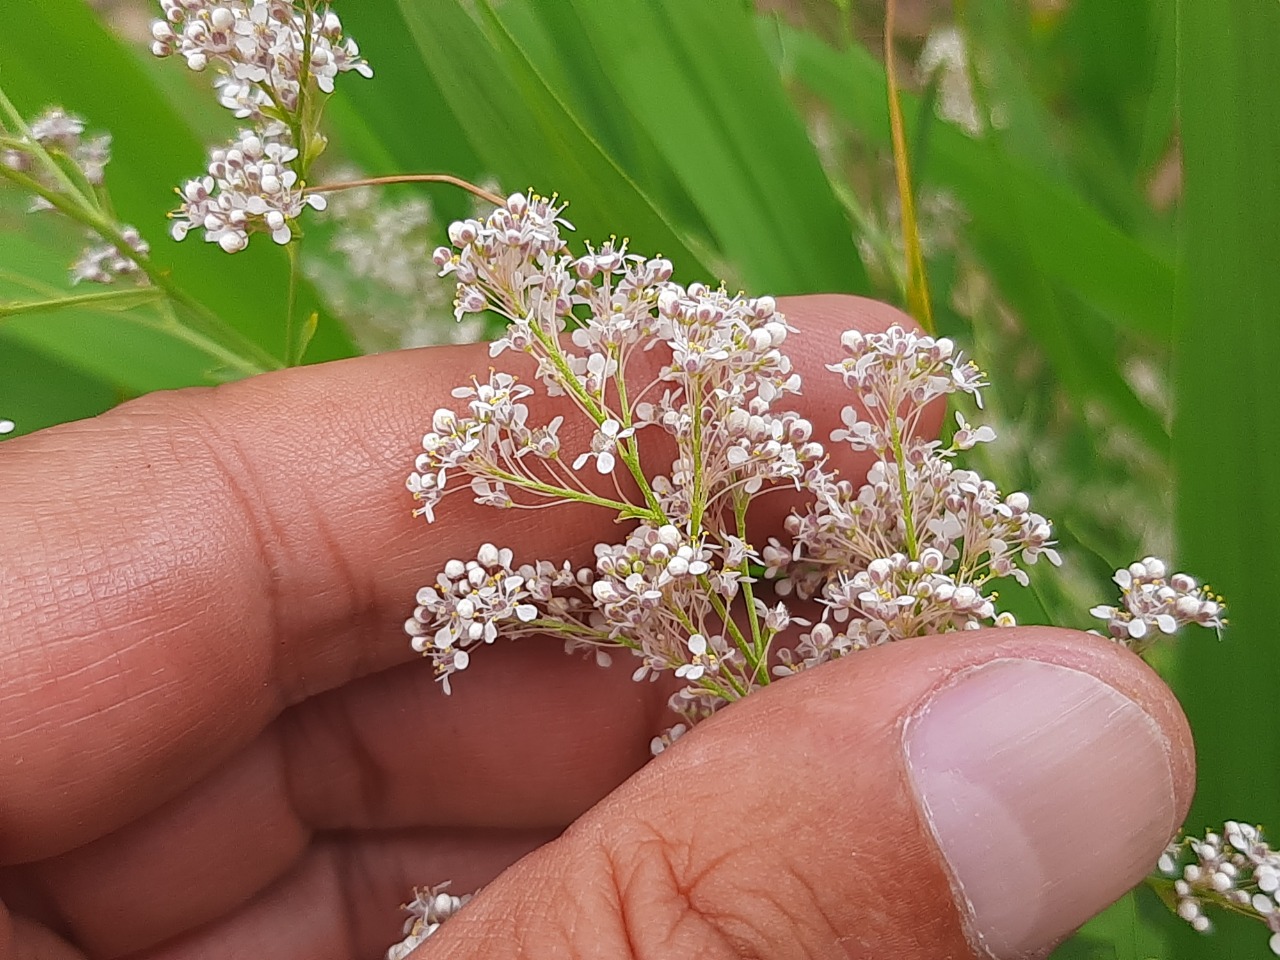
(1101,220)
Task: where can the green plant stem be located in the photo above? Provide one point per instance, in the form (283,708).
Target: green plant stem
(698,505)
(291,309)
(33,146)
(625,510)
(691,628)
(913,548)
(171,325)
(628,454)
(107,298)
(740,502)
(723,612)
(917,282)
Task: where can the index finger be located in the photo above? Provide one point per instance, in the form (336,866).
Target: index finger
(180,570)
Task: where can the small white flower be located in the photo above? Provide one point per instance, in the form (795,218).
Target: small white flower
(603,445)
(700,661)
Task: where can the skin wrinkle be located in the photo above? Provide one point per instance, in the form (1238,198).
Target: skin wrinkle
(239,476)
(723,872)
(382,706)
(75,882)
(372,779)
(349,873)
(621,871)
(640,895)
(355,600)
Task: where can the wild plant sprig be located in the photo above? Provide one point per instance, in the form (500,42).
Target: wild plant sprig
(1233,870)
(912,548)
(275,62)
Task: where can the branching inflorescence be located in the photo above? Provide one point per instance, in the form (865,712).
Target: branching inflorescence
(1235,870)
(274,63)
(649,366)
(913,548)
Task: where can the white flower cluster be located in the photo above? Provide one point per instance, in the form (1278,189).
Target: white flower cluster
(1155,603)
(429,908)
(910,550)
(264,51)
(377,271)
(103,262)
(249,187)
(268,56)
(696,380)
(62,136)
(1236,870)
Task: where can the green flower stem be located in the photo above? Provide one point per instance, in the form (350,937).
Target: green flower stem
(908,513)
(576,631)
(1163,888)
(730,625)
(629,449)
(31,145)
(292,353)
(627,452)
(706,682)
(626,511)
(736,690)
(111,299)
(698,507)
(759,644)
(304,74)
(171,325)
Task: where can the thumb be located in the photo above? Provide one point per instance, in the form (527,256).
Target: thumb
(973,795)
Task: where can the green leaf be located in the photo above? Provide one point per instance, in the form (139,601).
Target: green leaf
(113,346)
(1132,928)
(527,136)
(37,391)
(1226,438)
(685,73)
(401,121)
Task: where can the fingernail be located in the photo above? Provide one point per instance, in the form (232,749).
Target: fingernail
(1049,794)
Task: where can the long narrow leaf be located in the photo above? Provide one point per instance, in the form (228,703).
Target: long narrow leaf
(683,70)
(1227,427)
(526,136)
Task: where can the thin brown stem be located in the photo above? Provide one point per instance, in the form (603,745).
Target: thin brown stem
(471,188)
(918,302)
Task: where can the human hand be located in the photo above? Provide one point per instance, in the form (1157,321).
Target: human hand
(215,745)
